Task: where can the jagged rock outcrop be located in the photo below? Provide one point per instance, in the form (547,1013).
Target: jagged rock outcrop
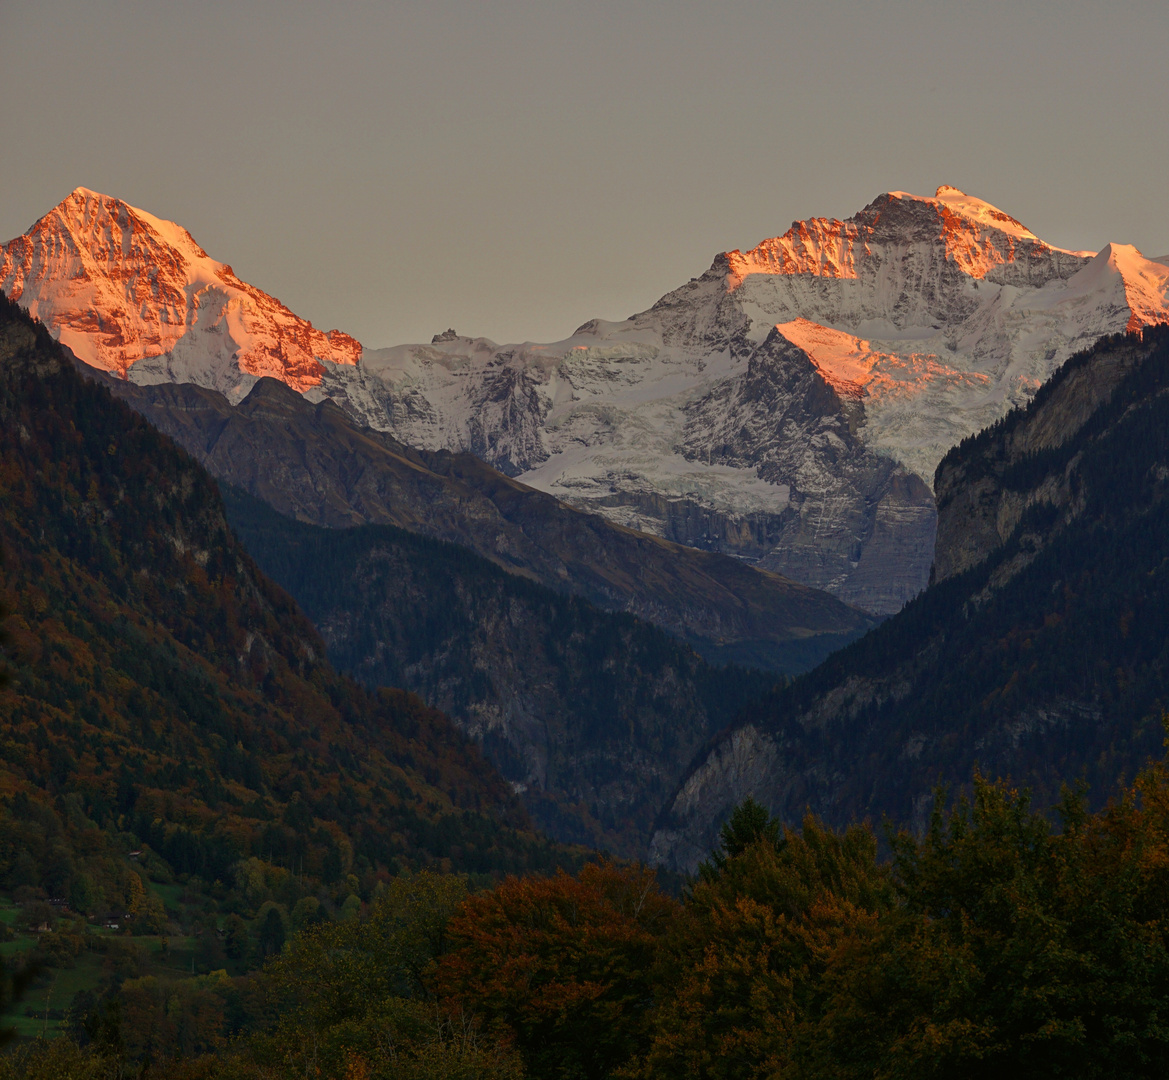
(852,515)
(742,765)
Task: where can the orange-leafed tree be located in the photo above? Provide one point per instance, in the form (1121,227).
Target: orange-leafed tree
(561,965)
(741,976)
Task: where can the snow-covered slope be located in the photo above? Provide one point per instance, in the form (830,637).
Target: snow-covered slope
(789,406)
(133,294)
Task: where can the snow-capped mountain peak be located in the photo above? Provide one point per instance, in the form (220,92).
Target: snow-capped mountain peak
(134,294)
(91,210)
(788,406)
(1146,283)
(975,236)
(976,210)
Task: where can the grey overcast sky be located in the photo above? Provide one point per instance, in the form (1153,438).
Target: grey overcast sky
(513,168)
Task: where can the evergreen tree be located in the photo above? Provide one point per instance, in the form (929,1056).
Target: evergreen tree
(12,987)
(749,823)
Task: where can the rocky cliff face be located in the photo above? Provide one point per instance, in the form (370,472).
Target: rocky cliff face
(923,320)
(987,485)
(852,517)
(1037,655)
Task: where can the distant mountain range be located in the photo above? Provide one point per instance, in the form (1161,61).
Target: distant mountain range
(823,375)
(787,407)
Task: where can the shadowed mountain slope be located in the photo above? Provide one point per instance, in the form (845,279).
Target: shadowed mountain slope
(164,692)
(592,716)
(314,463)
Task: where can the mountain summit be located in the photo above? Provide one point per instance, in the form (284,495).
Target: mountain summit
(976,238)
(788,407)
(125,289)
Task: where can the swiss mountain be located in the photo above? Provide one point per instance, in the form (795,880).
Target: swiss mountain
(124,289)
(315,463)
(788,406)
(1039,654)
(164,692)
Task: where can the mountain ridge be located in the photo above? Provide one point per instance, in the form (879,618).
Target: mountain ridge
(313,462)
(926,317)
(163,691)
(591,716)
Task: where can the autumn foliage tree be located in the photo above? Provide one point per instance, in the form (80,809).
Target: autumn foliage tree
(998,943)
(562,965)
(351,998)
(742,974)
(5,637)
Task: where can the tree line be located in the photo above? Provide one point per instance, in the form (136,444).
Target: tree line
(1000,941)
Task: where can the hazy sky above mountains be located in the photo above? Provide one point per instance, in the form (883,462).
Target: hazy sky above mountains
(514,168)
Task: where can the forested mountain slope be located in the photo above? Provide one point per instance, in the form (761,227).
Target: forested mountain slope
(164,692)
(592,716)
(1045,659)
